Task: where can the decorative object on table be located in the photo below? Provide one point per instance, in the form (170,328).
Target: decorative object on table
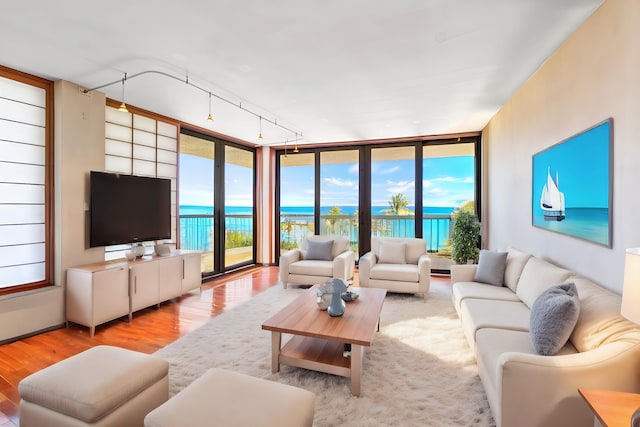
(630,307)
(137,250)
(329,296)
(129,256)
(568,197)
(350,296)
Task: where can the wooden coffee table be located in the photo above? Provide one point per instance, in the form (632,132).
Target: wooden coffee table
(318,339)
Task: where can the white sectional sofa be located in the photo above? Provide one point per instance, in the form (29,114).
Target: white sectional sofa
(523,387)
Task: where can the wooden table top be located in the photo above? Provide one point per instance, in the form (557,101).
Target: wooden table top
(612,408)
(356,326)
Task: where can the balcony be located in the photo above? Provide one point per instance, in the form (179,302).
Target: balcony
(196,233)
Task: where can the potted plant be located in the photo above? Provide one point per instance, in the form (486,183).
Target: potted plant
(465,237)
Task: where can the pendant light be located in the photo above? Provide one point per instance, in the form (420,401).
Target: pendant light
(260,135)
(123,106)
(209,118)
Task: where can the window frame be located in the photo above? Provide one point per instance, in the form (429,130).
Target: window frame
(48,87)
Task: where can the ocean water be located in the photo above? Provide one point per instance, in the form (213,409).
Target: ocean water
(308,210)
(585,223)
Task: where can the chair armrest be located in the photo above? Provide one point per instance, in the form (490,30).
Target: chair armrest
(551,382)
(463,272)
(366,262)
(424,273)
(344,265)
(285,260)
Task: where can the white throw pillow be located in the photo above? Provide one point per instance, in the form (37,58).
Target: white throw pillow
(391,253)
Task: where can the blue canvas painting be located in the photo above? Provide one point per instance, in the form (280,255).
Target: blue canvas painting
(571,191)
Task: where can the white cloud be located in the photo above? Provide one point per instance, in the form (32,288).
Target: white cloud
(340,182)
(400,187)
(390,170)
(354,169)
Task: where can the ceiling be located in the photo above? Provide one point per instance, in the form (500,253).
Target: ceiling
(330,71)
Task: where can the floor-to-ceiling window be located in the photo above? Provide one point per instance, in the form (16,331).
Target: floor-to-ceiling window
(296,198)
(397,190)
(448,184)
(393,189)
(339,175)
(216,201)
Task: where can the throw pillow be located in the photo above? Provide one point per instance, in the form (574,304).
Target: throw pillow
(391,253)
(319,250)
(491,267)
(553,316)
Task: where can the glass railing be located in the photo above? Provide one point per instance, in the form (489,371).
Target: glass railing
(196,231)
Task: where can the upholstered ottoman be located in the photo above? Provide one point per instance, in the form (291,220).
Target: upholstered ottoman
(103,386)
(229,399)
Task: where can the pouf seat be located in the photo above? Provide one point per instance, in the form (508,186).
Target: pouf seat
(102,386)
(229,399)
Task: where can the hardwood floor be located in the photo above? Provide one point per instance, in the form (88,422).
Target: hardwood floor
(151,329)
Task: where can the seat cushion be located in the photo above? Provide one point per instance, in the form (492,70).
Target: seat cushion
(312,268)
(225,398)
(93,383)
(462,290)
(396,272)
(479,314)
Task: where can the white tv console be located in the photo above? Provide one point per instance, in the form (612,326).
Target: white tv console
(103,291)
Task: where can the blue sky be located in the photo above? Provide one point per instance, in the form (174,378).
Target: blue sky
(582,166)
(448,182)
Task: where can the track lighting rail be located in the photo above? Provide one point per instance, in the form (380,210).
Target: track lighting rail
(208,92)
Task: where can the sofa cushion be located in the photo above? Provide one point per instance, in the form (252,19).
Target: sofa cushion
(600,321)
(319,250)
(478,314)
(516,261)
(396,272)
(414,248)
(538,276)
(391,253)
(491,267)
(553,317)
(312,268)
(463,290)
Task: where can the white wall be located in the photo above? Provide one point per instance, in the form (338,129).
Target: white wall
(594,75)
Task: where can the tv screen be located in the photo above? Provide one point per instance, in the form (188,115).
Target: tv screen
(128,209)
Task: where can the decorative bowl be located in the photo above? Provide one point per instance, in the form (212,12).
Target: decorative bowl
(350,296)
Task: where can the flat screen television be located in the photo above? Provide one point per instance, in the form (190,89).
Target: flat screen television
(128,209)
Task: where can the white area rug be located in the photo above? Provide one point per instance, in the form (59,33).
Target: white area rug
(418,372)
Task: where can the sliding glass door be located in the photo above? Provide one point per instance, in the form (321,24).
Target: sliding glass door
(216,201)
(296,199)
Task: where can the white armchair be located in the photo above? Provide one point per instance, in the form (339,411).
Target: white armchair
(318,259)
(397,265)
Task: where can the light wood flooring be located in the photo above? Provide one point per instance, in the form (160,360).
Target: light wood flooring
(151,329)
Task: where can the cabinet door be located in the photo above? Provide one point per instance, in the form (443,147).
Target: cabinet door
(170,277)
(110,294)
(144,285)
(192,274)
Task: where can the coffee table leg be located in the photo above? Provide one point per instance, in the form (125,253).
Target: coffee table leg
(357,355)
(276,341)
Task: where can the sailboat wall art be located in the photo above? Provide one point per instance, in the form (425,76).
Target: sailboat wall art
(572,188)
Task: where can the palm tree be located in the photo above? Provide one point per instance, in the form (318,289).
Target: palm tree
(398,205)
(332,219)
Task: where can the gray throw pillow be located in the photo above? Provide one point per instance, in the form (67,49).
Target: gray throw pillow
(554,314)
(491,267)
(319,250)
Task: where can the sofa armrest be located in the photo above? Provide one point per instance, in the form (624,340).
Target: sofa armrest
(285,260)
(424,274)
(542,388)
(344,265)
(366,262)
(463,272)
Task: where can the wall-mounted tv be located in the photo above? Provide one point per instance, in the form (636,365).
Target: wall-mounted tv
(128,208)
